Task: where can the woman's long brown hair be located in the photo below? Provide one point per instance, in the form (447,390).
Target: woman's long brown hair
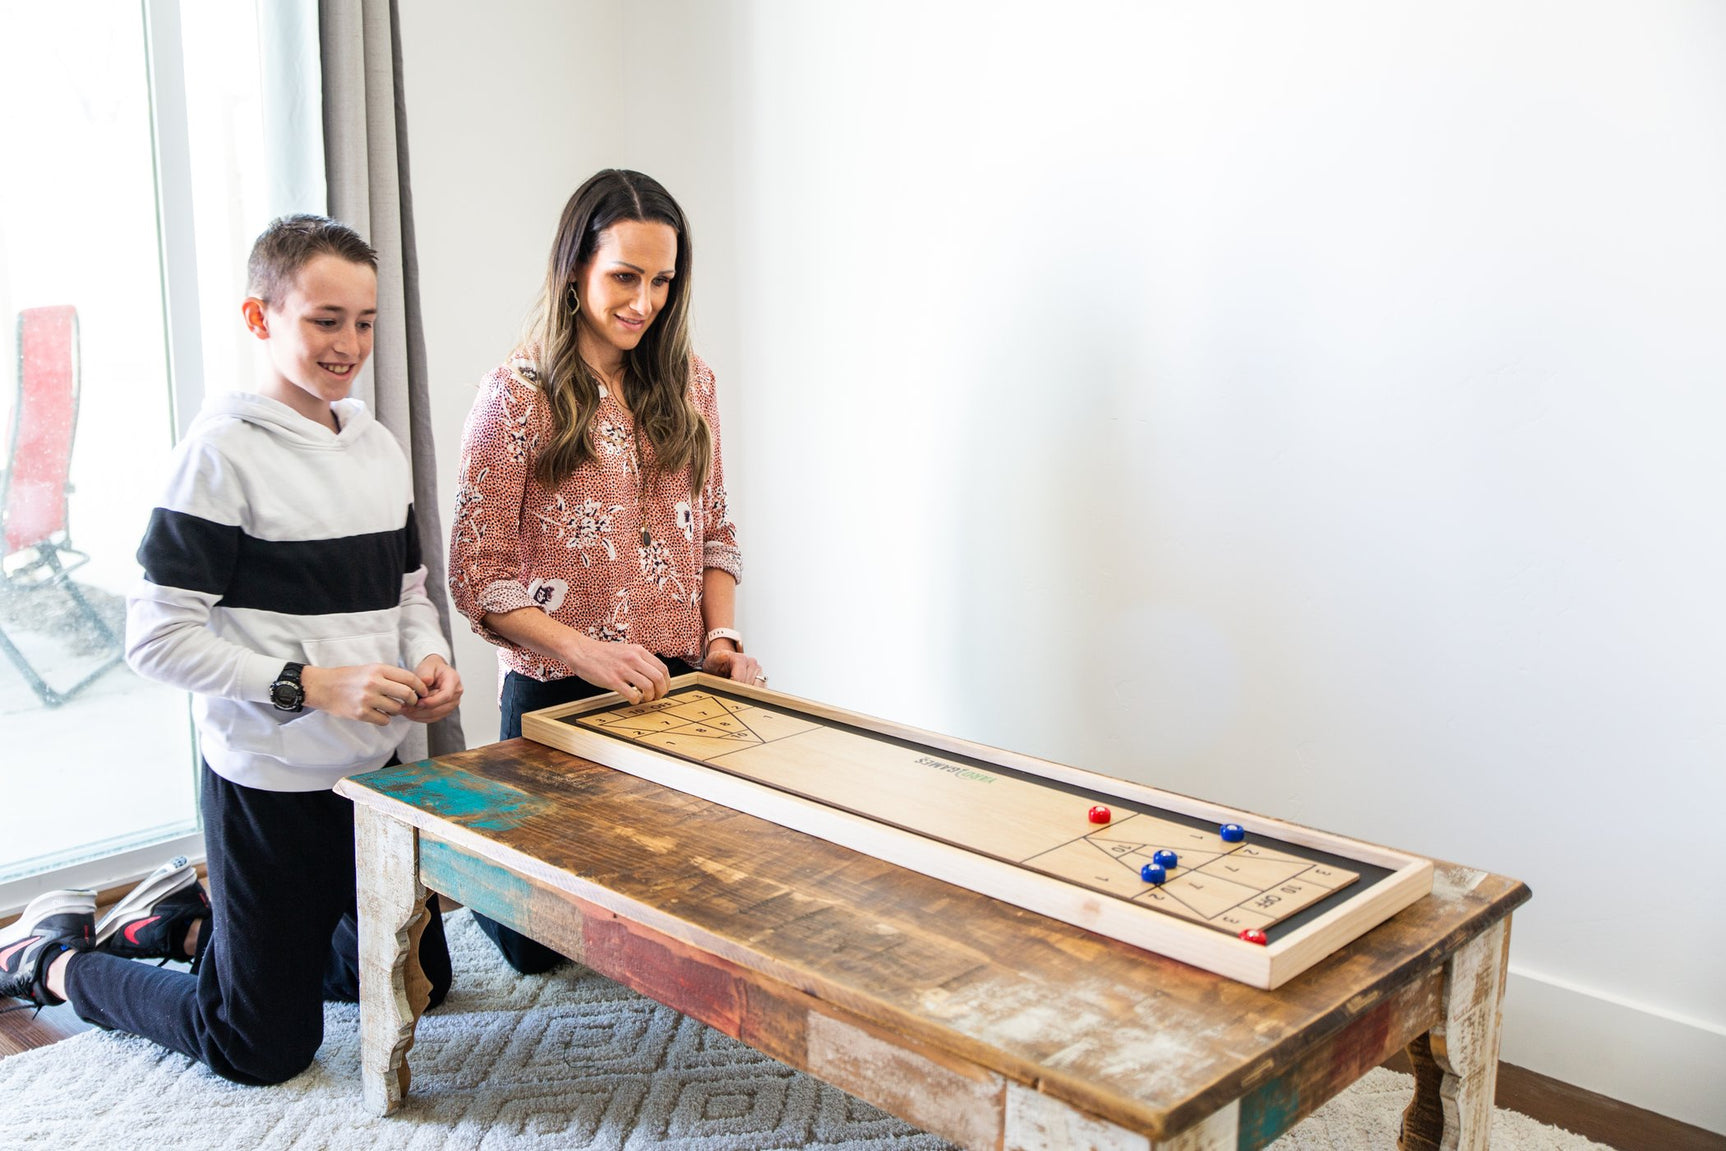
(655,371)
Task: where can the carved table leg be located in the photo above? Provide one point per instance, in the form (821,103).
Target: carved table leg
(1456,1063)
(393,988)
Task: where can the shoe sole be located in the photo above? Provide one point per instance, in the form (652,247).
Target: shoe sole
(67,901)
(74,909)
(161,883)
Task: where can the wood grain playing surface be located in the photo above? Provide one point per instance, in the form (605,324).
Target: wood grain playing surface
(989,810)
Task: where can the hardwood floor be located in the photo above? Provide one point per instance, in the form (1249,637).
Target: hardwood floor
(1601,1119)
(22,1031)
(1617,1125)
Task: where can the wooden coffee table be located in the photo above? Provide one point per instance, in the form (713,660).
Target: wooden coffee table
(992,1026)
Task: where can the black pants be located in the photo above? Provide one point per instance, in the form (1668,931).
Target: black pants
(282,940)
(520,695)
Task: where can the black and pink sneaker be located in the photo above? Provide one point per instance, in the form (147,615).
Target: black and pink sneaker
(152,921)
(53,922)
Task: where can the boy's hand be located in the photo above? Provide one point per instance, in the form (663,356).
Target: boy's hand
(370,693)
(443,691)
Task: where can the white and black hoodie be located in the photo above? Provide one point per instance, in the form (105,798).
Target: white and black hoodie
(279,540)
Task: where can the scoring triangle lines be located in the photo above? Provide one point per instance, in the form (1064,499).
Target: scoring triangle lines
(1133,856)
(697,714)
(711,709)
(734,706)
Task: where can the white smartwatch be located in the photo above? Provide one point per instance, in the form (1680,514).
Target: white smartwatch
(731,634)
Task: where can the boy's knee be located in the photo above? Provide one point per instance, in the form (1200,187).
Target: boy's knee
(265,1066)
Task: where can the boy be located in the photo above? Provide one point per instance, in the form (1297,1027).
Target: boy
(283,586)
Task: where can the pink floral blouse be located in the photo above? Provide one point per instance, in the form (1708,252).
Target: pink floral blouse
(606,553)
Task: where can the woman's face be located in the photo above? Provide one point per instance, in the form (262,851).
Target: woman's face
(623,287)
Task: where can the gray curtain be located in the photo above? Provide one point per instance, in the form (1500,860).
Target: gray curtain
(366,170)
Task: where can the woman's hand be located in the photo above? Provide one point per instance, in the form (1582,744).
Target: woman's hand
(443,691)
(626,668)
(371,693)
(733,664)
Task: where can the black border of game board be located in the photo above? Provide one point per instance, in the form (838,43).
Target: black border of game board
(1370,874)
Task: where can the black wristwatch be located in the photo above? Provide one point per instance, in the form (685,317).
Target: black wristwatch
(287,693)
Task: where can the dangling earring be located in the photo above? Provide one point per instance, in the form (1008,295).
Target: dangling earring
(574,301)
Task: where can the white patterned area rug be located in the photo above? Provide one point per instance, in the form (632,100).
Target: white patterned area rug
(566,1060)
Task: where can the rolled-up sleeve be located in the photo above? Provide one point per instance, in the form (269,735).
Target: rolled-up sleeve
(499,442)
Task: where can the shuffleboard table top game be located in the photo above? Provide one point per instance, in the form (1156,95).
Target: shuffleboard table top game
(976,1019)
(1252,898)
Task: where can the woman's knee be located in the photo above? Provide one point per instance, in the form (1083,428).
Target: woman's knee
(440,985)
(527,956)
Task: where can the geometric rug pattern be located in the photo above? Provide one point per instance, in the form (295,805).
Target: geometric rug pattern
(566,1060)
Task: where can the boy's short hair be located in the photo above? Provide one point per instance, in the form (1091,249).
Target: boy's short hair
(290,243)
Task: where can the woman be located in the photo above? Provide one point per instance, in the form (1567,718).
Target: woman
(591,541)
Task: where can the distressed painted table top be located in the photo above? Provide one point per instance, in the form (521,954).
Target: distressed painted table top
(1139,1040)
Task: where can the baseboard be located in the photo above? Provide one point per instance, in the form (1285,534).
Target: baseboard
(1633,1053)
(101,867)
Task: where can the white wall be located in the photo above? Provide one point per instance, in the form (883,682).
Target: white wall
(502,126)
(1308,407)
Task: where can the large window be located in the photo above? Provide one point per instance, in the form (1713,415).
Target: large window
(130,199)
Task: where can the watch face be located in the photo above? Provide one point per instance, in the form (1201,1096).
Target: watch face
(287,695)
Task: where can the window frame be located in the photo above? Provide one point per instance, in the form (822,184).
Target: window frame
(125,858)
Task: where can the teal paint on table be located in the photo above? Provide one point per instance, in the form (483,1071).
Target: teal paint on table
(491,890)
(471,801)
(1268,1111)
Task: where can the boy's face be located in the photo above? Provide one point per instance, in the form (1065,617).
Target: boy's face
(318,335)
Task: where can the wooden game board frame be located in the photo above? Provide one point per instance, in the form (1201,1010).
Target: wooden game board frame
(1264,966)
